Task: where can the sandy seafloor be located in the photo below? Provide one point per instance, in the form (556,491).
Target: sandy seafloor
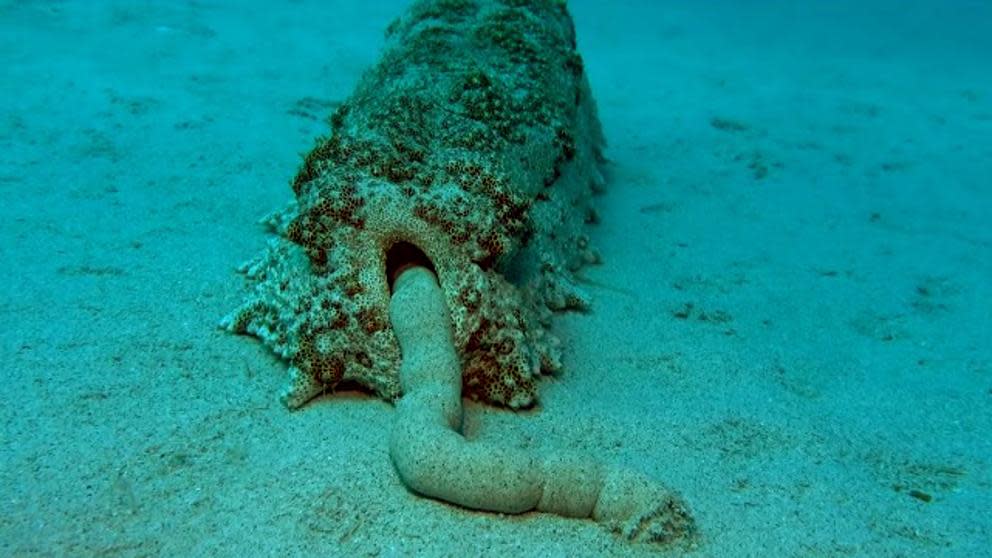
(791,324)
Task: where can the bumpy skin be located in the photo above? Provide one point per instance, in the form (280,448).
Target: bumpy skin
(433,458)
(476,140)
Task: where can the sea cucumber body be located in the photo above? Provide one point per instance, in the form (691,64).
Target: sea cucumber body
(474,139)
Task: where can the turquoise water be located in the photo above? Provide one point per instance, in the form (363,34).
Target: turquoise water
(791,324)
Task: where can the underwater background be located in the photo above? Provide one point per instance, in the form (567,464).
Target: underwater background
(792,323)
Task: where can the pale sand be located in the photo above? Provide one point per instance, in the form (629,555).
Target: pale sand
(814,183)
